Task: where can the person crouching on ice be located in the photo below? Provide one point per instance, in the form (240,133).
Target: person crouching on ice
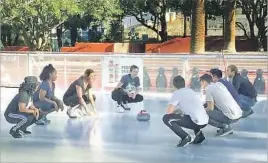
(79,97)
(21,110)
(44,98)
(191,115)
(127,90)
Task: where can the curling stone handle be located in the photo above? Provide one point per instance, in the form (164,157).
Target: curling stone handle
(143,111)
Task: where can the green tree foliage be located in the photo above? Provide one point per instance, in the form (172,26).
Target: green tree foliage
(101,10)
(34,19)
(184,6)
(116,31)
(8,36)
(214,8)
(94,13)
(256,13)
(155,8)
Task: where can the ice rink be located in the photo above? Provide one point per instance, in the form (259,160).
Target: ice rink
(119,137)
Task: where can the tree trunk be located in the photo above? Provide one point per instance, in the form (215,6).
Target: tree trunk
(184,25)
(16,40)
(163,33)
(3,39)
(28,40)
(206,23)
(198,28)
(9,39)
(223,25)
(261,39)
(229,32)
(251,26)
(59,36)
(73,35)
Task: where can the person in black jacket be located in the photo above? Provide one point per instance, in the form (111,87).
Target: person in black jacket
(21,110)
(246,91)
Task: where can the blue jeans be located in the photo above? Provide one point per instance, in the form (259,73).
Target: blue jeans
(246,102)
(44,106)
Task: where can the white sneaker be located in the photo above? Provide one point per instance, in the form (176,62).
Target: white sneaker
(120,109)
(75,112)
(71,113)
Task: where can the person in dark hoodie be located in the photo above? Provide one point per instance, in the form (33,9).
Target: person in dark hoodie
(245,89)
(217,77)
(21,110)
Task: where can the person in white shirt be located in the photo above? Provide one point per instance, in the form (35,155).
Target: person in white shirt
(192,114)
(221,107)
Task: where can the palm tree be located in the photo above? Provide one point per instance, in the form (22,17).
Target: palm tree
(229,31)
(198,27)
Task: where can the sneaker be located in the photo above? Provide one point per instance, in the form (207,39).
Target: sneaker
(25,132)
(199,138)
(15,134)
(46,120)
(225,131)
(120,109)
(125,107)
(229,133)
(247,113)
(70,113)
(184,142)
(40,122)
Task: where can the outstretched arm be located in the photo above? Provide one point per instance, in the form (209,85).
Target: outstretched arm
(92,101)
(80,97)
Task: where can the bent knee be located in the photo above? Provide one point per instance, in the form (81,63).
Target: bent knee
(114,96)
(165,118)
(65,102)
(140,98)
(44,106)
(30,118)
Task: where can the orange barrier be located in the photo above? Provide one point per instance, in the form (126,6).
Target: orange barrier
(16,48)
(90,47)
(176,45)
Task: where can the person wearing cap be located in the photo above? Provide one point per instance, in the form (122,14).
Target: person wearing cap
(21,110)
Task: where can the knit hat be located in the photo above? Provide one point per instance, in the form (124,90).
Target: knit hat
(31,80)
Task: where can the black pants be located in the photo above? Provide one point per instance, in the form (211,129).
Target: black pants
(22,120)
(72,101)
(176,121)
(120,96)
(218,119)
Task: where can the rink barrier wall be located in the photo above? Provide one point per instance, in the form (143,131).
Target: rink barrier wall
(16,65)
